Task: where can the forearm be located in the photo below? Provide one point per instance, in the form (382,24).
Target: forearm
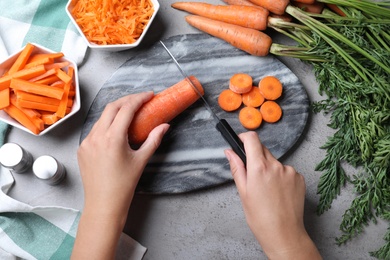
(97,236)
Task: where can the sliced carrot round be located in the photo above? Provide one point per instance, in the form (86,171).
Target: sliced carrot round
(253,98)
(270,87)
(271,111)
(229,100)
(240,83)
(250,118)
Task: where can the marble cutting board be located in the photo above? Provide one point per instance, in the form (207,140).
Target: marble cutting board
(191,155)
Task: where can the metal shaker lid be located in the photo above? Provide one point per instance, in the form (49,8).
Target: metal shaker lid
(45,167)
(10,155)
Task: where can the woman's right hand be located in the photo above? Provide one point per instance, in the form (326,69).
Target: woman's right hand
(272,196)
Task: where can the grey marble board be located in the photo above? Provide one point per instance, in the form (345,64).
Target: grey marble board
(191,155)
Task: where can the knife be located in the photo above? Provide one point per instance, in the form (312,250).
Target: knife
(222,125)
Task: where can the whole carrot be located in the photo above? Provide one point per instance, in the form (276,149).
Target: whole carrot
(249,40)
(274,6)
(246,16)
(239,2)
(162,108)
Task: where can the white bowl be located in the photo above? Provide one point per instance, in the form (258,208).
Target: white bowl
(6,64)
(111,47)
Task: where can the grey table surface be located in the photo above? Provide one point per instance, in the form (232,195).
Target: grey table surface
(206,224)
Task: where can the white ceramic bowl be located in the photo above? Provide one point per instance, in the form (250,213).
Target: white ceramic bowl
(113,47)
(6,64)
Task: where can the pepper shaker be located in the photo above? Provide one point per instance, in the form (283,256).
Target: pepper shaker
(47,168)
(15,158)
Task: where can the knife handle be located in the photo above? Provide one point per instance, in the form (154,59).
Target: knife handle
(232,138)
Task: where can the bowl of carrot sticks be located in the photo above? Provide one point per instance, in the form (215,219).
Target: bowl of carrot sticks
(112,25)
(39,89)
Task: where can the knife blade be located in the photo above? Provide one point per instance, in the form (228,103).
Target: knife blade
(222,125)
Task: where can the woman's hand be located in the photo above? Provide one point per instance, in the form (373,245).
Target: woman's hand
(272,196)
(110,171)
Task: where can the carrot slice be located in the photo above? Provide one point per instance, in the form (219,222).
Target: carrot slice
(162,108)
(270,87)
(250,118)
(271,111)
(229,100)
(253,98)
(240,83)
(22,58)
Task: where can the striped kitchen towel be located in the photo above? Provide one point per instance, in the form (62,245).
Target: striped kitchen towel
(44,232)
(44,22)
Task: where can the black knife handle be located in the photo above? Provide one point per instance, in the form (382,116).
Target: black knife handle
(232,138)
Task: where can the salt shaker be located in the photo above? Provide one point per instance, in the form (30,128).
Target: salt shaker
(15,158)
(47,168)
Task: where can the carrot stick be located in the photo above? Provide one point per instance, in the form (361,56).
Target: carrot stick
(49,118)
(250,118)
(274,6)
(32,113)
(240,83)
(43,61)
(57,65)
(36,105)
(39,99)
(44,75)
(246,16)
(314,8)
(162,108)
(22,118)
(22,58)
(35,88)
(44,56)
(270,87)
(21,74)
(271,111)
(249,40)
(61,111)
(229,100)
(4,98)
(253,98)
(48,80)
(63,76)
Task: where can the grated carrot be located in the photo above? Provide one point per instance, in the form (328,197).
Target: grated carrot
(112,22)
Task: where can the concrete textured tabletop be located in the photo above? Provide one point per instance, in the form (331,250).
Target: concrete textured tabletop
(205,224)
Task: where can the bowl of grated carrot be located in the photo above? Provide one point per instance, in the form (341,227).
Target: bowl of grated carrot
(39,89)
(112,25)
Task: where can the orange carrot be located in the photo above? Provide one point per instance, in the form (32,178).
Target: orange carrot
(250,118)
(270,87)
(48,73)
(32,113)
(162,108)
(49,118)
(253,98)
(336,9)
(240,83)
(43,61)
(274,6)
(63,76)
(229,100)
(57,65)
(44,56)
(314,8)
(61,111)
(36,105)
(48,80)
(271,111)
(112,22)
(35,88)
(21,74)
(40,99)
(4,98)
(22,58)
(22,118)
(246,16)
(249,40)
